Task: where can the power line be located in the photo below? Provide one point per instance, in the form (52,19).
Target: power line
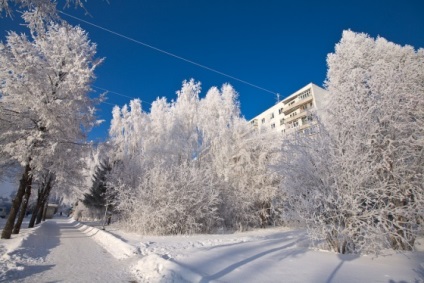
(169,53)
(117,93)
(120,94)
(108,103)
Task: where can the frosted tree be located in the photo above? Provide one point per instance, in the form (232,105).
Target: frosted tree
(254,179)
(242,160)
(44,103)
(185,166)
(160,188)
(383,123)
(312,196)
(45,8)
(97,197)
(363,176)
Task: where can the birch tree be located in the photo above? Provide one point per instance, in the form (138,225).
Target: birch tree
(44,103)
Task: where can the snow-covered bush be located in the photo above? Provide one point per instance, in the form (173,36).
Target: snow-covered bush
(359,182)
(191,165)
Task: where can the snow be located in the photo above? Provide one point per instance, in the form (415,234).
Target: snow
(113,245)
(57,251)
(271,255)
(62,249)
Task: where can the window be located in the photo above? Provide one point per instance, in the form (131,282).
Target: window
(293,114)
(273,126)
(281,122)
(280,111)
(263,120)
(272,115)
(295,124)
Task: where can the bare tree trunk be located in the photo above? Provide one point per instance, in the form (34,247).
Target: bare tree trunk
(40,212)
(45,210)
(45,189)
(34,215)
(24,206)
(7,230)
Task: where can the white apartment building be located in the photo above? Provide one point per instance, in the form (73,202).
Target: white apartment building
(294,113)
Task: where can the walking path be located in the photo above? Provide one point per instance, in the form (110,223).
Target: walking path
(62,250)
(59,252)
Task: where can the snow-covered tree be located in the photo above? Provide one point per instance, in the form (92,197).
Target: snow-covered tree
(183,167)
(160,188)
(256,200)
(45,8)
(44,103)
(98,198)
(362,177)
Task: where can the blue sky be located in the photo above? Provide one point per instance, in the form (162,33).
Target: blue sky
(277,45)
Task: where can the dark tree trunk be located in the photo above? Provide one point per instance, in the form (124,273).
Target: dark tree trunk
(46,205)
(40,212)
(34,215)
(45,189)
(24,206)
(7,230)
(36,209)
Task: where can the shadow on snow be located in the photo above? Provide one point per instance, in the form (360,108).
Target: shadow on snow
(31,255)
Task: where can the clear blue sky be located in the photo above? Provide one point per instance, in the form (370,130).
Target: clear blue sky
(278,45)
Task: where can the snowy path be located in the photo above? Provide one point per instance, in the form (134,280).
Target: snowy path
(59,252)
(62,250)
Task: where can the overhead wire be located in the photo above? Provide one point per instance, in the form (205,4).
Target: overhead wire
(169,53)
(114,92)
(108,103)
(117,93)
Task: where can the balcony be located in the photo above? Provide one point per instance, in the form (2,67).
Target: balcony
(299,115)
(295,105)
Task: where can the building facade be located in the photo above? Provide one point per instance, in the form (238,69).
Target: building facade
(297,112)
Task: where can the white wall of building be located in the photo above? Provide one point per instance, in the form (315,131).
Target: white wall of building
(294,111)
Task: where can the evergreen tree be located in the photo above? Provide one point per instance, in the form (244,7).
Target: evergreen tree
(99,195)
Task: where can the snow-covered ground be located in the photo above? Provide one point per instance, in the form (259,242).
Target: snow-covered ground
(66,251)
(271,255)
(59,250)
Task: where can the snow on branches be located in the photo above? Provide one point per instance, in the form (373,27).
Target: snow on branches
(361,178)
(44,103)
(187,166)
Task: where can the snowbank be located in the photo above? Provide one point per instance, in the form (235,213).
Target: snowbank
(113,245)
(155,268)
